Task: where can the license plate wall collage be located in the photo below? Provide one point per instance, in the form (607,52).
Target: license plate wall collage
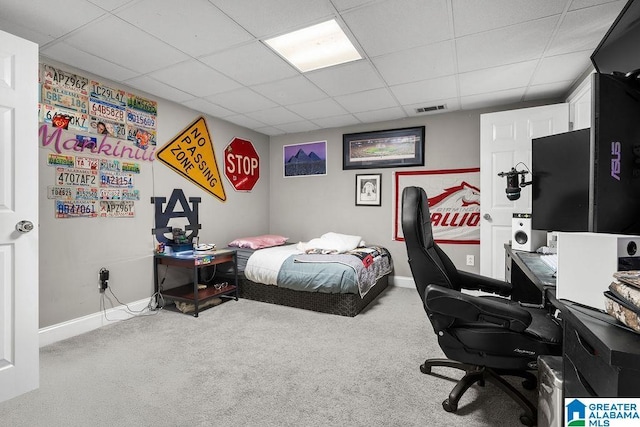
(87,186)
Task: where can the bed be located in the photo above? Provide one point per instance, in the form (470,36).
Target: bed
(341,282)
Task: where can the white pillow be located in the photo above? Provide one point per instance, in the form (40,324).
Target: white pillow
(335,242)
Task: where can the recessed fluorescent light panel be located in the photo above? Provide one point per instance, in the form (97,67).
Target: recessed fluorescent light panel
(319,46)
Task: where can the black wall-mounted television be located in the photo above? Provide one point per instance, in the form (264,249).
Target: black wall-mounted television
(560,181)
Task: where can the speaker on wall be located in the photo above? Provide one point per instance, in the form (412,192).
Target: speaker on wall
(523,238)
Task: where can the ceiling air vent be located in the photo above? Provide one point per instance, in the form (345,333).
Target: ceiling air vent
(431,108)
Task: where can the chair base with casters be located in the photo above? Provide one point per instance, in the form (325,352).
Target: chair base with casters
(481,374)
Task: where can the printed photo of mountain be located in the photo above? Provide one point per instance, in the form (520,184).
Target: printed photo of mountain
(307,159)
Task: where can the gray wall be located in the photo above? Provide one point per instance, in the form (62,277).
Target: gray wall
(72,251)
(307,207)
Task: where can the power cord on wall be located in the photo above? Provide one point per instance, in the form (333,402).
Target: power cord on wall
(156,301)
(150,310)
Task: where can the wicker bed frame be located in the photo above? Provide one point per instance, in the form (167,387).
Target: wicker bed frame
(341,304)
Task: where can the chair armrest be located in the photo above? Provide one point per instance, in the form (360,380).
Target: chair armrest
(470,308)
(477,282)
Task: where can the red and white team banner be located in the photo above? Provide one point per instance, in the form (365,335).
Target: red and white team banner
(454,203)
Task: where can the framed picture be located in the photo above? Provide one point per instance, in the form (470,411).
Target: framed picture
(306,159)
(368,190)
(454,203)
(383,149)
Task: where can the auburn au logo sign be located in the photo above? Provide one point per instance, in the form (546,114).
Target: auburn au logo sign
(191,155)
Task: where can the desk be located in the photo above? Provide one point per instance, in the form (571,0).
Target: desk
(601,357)
(196,261)
(534,282)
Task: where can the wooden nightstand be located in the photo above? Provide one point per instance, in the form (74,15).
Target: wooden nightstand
(196,260)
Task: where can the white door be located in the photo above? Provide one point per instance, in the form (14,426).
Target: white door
(505,142)
(19,358)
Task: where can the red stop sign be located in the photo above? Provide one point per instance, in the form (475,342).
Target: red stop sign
(241,164)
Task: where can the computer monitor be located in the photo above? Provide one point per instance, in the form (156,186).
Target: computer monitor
(590,180)
(560,182)
(616,51)
(614,195)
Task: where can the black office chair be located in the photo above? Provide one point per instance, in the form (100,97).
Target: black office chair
(488,337)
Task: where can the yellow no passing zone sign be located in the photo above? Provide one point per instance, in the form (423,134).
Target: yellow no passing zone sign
(191,155)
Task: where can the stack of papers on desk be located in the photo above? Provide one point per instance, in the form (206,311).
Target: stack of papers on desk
(622,300)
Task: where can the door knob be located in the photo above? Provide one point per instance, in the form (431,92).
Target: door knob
(24,226)
(487,217)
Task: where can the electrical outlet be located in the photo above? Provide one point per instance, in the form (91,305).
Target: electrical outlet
(471,260)
(104,279)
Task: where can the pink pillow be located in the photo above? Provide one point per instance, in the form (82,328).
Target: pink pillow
(259,242)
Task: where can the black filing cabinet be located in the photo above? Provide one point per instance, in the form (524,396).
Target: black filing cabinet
(601,356)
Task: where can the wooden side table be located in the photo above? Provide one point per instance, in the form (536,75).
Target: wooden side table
(196,260)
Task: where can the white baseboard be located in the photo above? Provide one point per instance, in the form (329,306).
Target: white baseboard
(71,328)
(402,282)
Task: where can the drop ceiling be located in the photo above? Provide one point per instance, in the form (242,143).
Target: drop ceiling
(210,55)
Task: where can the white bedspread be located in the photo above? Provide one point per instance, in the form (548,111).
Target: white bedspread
(263,266)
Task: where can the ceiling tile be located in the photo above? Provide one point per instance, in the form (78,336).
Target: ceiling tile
(196,27)
(561,68)
(383,115)
(157,88)
(274,116)
(472,16)
(202,105)
(303,126)
(369,100)
(353,77)
(242,120)
(580,4)
(31,34)
(209,55)
(242,100)
(195,78)
(484,100)
(250,64)
(509,45)
(426,91)
(337,121)
(58,21)
(148,54)
(547,91)
(267,18)
(62,52)
(293,90)
(497,79)
(420,63)
(111,4)
(343,5)
(317,109)
(583,29)
(270,130)
(387,26)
